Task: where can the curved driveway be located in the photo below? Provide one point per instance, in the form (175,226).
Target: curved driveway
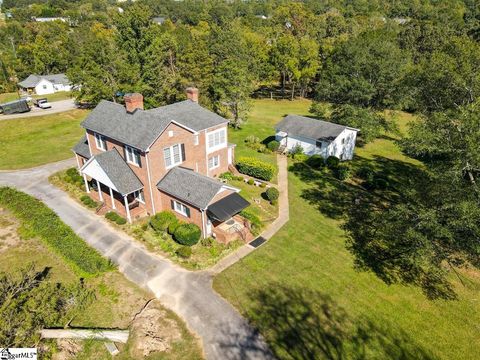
(225,334)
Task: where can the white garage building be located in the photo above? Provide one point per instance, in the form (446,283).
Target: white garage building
(316,136)
(45,84)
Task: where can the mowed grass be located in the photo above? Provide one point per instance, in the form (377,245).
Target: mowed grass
(29,142)
(265,114)
(61,95)
(301,289)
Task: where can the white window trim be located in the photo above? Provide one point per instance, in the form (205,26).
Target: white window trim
(172,157)
(219,146)
(137,196)
(213,160)
(130,152)
(195,139)
(180,208)
(100,142)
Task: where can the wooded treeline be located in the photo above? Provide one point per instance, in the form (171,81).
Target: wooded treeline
(360,56)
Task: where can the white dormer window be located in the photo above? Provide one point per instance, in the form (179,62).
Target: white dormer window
(100,142)
(132,155)
(216,139)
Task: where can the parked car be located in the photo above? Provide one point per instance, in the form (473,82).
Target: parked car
(14,107)
(42,103)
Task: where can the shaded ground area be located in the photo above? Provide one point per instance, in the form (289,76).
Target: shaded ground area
(306,297)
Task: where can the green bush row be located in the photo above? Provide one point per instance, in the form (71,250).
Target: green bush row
(256,168)
(40,221)
(88,201)
(114,217)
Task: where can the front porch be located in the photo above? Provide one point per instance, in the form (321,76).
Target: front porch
(112,200)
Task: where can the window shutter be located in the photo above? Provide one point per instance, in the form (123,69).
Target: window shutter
(183,152)
(172,204)
(188,211)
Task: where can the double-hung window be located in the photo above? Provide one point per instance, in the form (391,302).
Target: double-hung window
(214,162)
(174,155)
(216,139)
(180,208)
(132,155)
(100,142)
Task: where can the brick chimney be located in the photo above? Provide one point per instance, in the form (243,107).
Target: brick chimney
(133,102)
(192,94)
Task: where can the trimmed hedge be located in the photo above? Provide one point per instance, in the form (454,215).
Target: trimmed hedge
(114,217)
(162,220)
(316,161)
(40,221)
(272,194)
(88,201)
(342,172)
(187,234)
(332,162)
(256,168)
(273,145)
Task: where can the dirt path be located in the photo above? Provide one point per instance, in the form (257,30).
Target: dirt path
(224,332)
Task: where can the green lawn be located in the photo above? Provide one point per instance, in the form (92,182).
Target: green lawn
(61,95)
(29,142)
(302,291)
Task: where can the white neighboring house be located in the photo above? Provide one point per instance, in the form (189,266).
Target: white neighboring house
(45,84)
(316,136)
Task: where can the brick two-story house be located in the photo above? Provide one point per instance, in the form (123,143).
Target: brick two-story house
(140,162)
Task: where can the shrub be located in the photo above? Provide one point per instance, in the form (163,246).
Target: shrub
(332,162)
(84,198)
(296,150)
(187,234)
(207,242)
(316,161)
(173,226)
(120,220)
(273,145)
(256,168)
(377,183)
(342,172)
(301,157)
(238,178)
(39,220)
(256,224)
(252,139)
(88,201)
(274,202)
(72,172)
(272,194)
(162,220)
(72,176)
(365,173)
(111,215)
(250,182)
(184,252)
(263,185)
(226,175)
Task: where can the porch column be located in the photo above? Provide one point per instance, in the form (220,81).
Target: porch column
(127,209)
(111,197)
(86,183)
(99,190)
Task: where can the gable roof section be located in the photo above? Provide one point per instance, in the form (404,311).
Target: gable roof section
(81,148)
(310,128)
(32,80)
(110,169)
(141,128)
(190,186)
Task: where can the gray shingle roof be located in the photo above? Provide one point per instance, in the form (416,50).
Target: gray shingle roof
(189,186)
(309,128)
(140,128)
(32,80)
(117,170)
(81,148)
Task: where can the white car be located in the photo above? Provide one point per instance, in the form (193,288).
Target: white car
(42,104)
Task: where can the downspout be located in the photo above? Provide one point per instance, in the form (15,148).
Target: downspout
(150,183)
(203,225)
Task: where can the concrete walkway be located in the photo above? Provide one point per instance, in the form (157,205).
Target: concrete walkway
(57,107)
(225,334)
(283,217)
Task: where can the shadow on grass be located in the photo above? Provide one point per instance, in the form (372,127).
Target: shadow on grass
(335,198)
(304,324)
